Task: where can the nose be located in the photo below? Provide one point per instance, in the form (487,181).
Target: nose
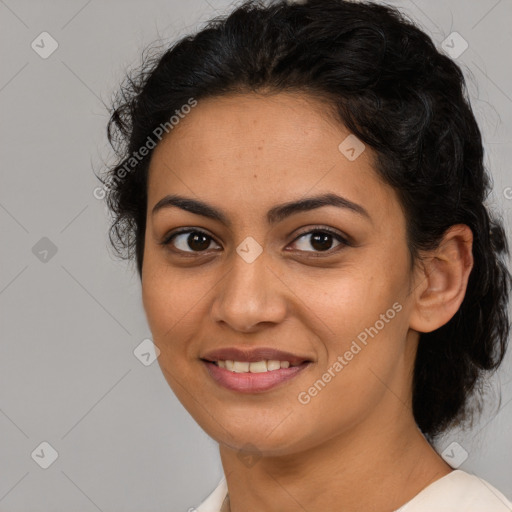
(250,296)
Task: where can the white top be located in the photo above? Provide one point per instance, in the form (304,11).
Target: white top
(458,491)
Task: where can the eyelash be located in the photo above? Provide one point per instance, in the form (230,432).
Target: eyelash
(322,230)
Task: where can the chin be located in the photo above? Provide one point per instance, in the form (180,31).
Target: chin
(260,439)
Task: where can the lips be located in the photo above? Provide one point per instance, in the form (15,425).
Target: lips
(253,355)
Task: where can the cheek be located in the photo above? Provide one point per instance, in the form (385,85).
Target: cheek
(352,299)
(167,299)
(362,321)
(364,357)
(169,309)
(176,303)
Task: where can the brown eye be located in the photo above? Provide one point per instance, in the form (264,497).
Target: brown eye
(189,241)
(321,240)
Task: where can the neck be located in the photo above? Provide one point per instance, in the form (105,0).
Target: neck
(355,471)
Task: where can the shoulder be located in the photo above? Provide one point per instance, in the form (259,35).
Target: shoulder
(459,492)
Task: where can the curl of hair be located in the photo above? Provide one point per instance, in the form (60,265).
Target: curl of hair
(384,79)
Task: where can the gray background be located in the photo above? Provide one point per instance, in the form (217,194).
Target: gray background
(70,321)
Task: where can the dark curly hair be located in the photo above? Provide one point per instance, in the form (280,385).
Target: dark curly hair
(386,82)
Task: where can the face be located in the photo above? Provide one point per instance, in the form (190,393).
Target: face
(329,285)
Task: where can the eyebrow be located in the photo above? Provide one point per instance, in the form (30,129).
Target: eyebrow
(274,215)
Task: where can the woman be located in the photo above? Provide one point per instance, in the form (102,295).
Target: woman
(302,188)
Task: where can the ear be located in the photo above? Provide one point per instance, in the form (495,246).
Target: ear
(441,280)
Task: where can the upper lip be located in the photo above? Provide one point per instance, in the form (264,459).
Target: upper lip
(252,355)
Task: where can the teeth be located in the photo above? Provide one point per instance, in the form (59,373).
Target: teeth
(258,367)
(240,367)
(255,367)
(274,365)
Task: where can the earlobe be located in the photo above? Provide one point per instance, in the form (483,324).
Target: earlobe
(443,277)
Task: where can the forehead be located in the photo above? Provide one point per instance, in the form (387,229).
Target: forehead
(260,149)
(222,123)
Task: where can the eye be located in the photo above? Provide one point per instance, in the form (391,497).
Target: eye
(194,239)
(321,240)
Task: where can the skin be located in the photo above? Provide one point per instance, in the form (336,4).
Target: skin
(355,445)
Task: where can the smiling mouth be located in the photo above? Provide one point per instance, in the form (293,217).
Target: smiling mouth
(254,376)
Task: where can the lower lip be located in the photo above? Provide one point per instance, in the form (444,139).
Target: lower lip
(252,382)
